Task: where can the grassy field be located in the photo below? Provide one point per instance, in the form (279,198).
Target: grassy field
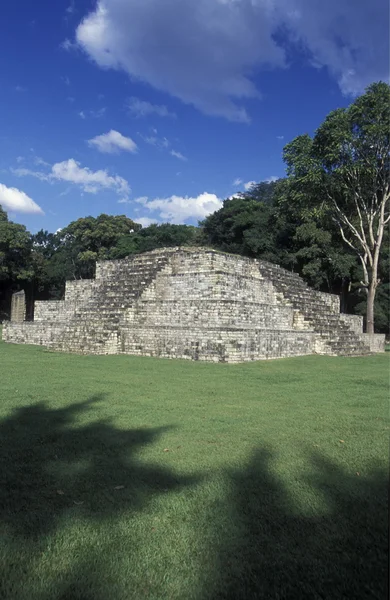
(130,478)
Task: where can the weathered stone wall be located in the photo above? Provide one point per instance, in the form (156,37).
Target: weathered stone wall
(80,290)
(355,322)
(217,345)
(33,332)
(193,303)
(375,341)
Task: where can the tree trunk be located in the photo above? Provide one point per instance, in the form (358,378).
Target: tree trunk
(370,308)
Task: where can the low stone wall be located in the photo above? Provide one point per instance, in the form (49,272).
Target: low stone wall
(232,346)
(375,341)
(36,333)
(354,322)
(50,310)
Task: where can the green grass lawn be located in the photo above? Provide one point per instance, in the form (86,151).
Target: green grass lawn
(130,478)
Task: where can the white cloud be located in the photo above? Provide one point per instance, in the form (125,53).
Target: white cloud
(112,142)
(145,221)
(16,200)
(280,137)
(22,172)
(272,179)
(248,185)
(178,155)
(237,181)
(153,140)
(68,45)
(71,9)
(178,209)
(142,108)
(19,159)
(39,161)
(92,114)
(349,38)
(208,60)
(89,181)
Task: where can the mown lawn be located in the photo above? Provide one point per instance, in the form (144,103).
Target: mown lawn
(130,478)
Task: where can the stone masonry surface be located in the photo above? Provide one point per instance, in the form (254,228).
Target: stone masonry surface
(198,304)
(18,307)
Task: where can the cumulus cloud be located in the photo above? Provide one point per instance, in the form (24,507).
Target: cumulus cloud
(203,62)
(209,60)
(178,209)
(349,38)
(271,179)
(178,155)
(89,181)
(237,181)
(142,108)
(17,201)
(112,143)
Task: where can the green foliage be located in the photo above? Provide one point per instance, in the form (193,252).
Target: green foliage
(15,248)
(155,236)
(241,226)
(16,270)
(89,239)
(344,172)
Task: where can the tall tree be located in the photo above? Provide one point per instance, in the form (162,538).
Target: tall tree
(15,259)
(155,236)
(89,239)
(244,224)
(345,170)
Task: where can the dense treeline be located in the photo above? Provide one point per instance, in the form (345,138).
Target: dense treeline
(327,220)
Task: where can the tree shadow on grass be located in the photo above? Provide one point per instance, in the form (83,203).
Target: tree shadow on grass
(52,469)
(273,551)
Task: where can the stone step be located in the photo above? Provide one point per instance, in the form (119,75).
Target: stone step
(336,334)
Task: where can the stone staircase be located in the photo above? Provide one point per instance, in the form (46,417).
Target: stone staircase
(336,337)
(95,325)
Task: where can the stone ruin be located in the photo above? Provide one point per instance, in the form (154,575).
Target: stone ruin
(198,304)
(18,307)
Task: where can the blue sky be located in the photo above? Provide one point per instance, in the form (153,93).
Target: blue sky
(160,110)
